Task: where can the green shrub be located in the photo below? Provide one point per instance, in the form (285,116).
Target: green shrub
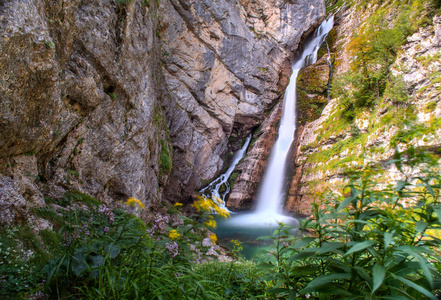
(375,243)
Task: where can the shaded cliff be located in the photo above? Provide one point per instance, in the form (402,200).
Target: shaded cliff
(78,89)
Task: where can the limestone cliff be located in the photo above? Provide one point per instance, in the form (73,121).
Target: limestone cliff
(405,112)
(130,98)
(225,63)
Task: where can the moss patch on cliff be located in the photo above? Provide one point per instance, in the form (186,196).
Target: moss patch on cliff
(165,161)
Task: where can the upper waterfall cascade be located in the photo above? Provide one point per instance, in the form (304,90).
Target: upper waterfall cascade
(271,195)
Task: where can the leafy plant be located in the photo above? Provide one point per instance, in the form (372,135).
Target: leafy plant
(373,243)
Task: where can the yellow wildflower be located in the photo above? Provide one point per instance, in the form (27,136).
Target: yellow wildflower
(173,234)
(133,201)
(211,223)
(213,238)
(204,204)
(224,213)
(235,243)
(177,204)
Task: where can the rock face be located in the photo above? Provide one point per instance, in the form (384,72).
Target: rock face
(225,63)
(329,145)
(78,95)
(249,172)
(105,98)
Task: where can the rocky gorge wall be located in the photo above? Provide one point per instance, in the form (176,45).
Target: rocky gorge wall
(226,64)
(408,115)
(134,98)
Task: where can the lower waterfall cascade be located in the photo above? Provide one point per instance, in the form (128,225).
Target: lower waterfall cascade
(213,190)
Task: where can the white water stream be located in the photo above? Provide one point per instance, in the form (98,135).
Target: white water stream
(220,188)
(271,196)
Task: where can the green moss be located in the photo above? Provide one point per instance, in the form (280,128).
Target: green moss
(431,106)
(330,159)
(165,161)
(415,130)
(233,178)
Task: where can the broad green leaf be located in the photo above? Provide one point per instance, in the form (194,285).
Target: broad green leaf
(348,200)
(301,255)
(79,265)
(420,226)
(400,185)
(303,242)
(112,250)
(430,189)
(322,280)
(438,213)
(274,291)
(299,271)
(417,287)
(329,247)
(363,274)
(421,260)
(265,266)
(378,273)
(360,246)
(388,238)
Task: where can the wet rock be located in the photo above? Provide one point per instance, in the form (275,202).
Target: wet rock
(312,89)
(251,170)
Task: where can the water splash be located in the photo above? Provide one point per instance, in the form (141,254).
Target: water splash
(271,196)
(219,188)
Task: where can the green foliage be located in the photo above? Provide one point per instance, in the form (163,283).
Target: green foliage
(49,45)
(123,2)
(373,50)
(373,244)
(165,161)
(21,256)
(234,280)
(396,90)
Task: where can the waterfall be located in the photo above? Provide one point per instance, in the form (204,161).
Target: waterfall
(271,196)
(213,190)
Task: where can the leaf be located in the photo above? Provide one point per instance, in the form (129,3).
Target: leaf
(265,266)
(302,270)
(400,185)
(348,200)
(323,280)
(378,274)
(303,242)
(417,287)
(359,246)
(79,265)
(388,238)
(420,226)
(363,274)
(329,247)
(301,255)
(438,213)
(112,250)
(422,262)
(430,189)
